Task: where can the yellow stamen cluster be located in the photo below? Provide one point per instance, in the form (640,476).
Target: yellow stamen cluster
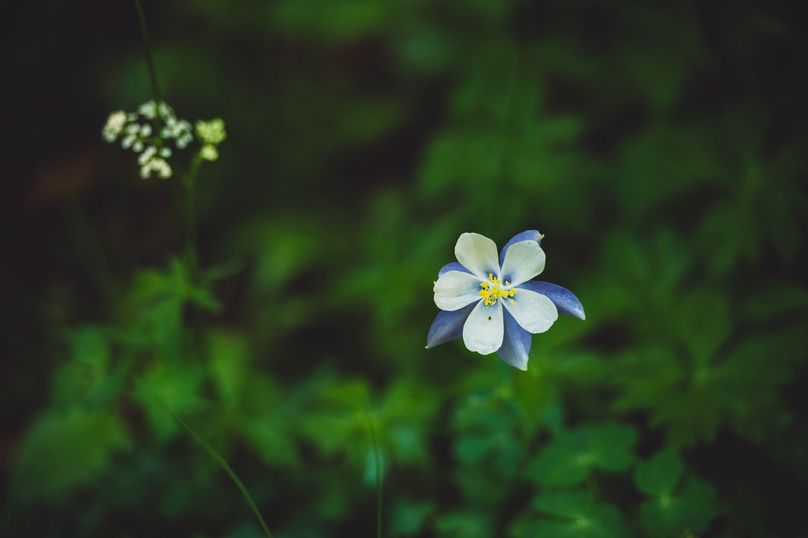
(492,290)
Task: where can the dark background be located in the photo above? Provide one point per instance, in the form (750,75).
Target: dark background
(661,149)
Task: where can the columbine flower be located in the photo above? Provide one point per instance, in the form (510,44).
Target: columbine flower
(491,300)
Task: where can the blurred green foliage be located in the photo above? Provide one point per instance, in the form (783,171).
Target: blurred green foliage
(658,149)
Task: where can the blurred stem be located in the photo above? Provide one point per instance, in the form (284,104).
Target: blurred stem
(189,180)
(189,213)
(214,454)
(144,31)
(378,460)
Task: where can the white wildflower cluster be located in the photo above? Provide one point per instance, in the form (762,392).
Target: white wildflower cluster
(154,129)
(150,132)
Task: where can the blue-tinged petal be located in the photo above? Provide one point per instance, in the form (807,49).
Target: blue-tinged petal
(566,302)
(453,266)
(535,312)
(447,326)
(515,344)
(527,235)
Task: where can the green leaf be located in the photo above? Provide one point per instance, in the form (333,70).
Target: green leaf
(64,451)
(89,377)
(179,386)
(272,439)
(228,365)
(574,514)
(671,515)
(574,504)
(89,345)
(465,524)
(659,475)
(569,459)
(409,517)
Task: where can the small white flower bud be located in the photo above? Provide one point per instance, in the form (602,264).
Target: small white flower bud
(127,141)
(209,152)
(147,109)
(146,155)
(114,125)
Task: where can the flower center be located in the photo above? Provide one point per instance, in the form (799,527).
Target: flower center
(492,290)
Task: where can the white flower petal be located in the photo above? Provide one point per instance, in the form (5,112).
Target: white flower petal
(484,329)
(533,311)
(456,289)
(478,254)
(523,261)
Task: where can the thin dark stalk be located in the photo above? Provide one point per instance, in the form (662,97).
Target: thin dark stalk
(189,224)
(214,454)
(378,459)
(189,181)
(144,30)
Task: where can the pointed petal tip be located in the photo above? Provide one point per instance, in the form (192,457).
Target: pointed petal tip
(577,313)
(521,364)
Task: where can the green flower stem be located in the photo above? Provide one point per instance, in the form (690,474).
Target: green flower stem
(144,30)
(378,460)
(214,454)
(189,213)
